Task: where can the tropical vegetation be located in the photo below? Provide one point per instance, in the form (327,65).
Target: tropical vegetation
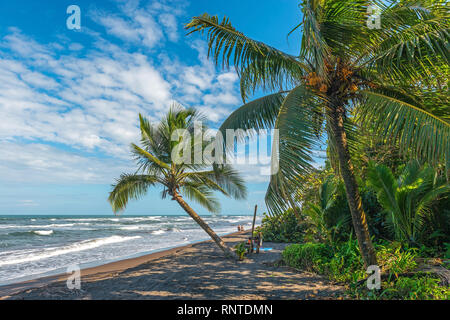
(346,77)
(378,99)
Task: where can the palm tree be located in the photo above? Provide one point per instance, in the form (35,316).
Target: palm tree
(407,200)
(346,75)
(164,160)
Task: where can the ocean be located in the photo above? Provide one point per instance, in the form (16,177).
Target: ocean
(35,246)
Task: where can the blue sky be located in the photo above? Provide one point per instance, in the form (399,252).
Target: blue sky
(69,100)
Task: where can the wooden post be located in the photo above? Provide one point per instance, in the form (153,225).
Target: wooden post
(253,228)
(254,218)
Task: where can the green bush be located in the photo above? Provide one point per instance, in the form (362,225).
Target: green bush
(307,256)
(394,259)
(240,250)
(408,200)
(343,263)
(418,287)
(346,264)
(282,228)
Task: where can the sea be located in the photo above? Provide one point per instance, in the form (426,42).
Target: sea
(36,246)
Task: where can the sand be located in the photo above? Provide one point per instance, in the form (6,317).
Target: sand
(196,271)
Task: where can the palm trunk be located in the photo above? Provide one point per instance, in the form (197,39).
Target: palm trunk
(351,187)
(228,252)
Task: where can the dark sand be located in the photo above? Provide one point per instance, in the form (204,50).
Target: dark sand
(197,271)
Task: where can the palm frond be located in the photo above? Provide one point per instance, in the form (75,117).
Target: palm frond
(314,47)
(252,78)
(146,160)
(413,40)
(129,186)
(202,195)
(223,178)
(343,27)
(291,153)
(230,46)
(255,115)
(381,179)
(427,135)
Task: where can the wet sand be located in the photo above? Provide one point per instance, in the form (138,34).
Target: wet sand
(195,271)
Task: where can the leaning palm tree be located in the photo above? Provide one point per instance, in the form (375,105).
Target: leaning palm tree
(166,157)
(347,74)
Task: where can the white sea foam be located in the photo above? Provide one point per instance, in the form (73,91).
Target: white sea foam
(33,255)
(75,247)
(130,228)
(54,225)
(43,232)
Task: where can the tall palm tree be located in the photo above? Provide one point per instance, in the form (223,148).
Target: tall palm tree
(346,75)
(164,160)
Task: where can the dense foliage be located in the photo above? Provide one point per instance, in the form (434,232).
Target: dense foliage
(343,263)
(380,97)
(407,200)
(282,228)
(412,206)
(347,77)
(407,208)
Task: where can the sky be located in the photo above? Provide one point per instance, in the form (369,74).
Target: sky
(70,99)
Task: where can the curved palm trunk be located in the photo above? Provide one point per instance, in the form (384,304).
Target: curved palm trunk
(351,187)
(228,252)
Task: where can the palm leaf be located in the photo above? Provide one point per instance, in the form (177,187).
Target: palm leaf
(427,135)
(228,178)
(255,115)
(291,154)
(130,186)
(230,46)
(202,195)
(413,40)
(147,160)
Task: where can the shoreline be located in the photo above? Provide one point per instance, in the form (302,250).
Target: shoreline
(197,271)
(103,269)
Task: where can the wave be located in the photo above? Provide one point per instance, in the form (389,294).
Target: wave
(75,247)
(115,219)
(158,232)
(43,232)
(130,228)
(12,226)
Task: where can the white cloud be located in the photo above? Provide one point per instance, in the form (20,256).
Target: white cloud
(170,23)
(89,103)
(75,46)
(141,25)
(41,163)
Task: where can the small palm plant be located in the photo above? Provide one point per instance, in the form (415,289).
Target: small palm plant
(160,163)
(326,221)
(407,199)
